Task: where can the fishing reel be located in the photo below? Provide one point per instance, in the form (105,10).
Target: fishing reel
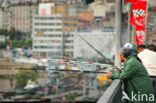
(115,70)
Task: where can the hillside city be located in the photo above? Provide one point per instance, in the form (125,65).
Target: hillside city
(47,48)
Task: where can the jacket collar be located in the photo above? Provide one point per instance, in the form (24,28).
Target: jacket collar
(132,55)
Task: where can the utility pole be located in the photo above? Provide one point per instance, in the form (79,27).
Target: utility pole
(133,35)
(118,31)
(129,25)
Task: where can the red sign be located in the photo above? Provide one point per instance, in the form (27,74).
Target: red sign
(139,19)
(43,11)
(140,35)
(139,13)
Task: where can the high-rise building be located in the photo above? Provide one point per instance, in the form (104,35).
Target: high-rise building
(63,36)
(47,35)
(69,27)
(22,16)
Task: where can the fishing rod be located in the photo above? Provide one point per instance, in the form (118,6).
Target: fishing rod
(94,48)
(52,83)
(65,70)
(110,25)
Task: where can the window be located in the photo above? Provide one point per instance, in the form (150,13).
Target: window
(36,47)
(58,29)
(50,47)
(58,18)
(51,18)
(43,47)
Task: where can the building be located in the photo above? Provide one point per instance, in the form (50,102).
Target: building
(47,35)
(22,16)
(1,24)
(45,8)
(76,6)
(6,15)
(151,23)
(23,1)
(69,26)
(101,40)
(59,9)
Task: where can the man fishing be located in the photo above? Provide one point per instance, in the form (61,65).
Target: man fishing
(137,83)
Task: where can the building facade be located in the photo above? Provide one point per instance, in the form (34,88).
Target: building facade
(47,35)
(5,14)
(69,26)
(22,16)
(23,1)
(1,18)
(76,6)
(102,41)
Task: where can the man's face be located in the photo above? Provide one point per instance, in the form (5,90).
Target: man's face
(122,58)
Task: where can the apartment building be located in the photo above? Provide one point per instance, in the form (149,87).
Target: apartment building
(69,26)
(22,16)
(47,35)
(5,14)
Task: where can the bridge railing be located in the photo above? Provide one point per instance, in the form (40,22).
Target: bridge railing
(113,94)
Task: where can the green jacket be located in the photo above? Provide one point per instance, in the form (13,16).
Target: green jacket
(137,83)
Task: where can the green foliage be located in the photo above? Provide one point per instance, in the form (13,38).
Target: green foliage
(28,96)
(10,76)
(3,32)
(23,76)
(36,96)
(15,34)
(1,97)
(16,38)
(70,97)
(27,43)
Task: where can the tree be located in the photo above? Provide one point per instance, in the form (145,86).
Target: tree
(70,97)
(23,76)
(4,32)
(11,78)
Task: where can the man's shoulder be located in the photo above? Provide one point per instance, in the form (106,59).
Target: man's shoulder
(143,53)
(133,61)
(146,53)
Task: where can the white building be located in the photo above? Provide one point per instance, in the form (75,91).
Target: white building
(47,35)
(102,41)
(68,43)
(45,8)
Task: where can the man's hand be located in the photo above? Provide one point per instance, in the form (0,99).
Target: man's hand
(109,74)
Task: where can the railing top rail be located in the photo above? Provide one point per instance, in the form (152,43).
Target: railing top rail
(110,93)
